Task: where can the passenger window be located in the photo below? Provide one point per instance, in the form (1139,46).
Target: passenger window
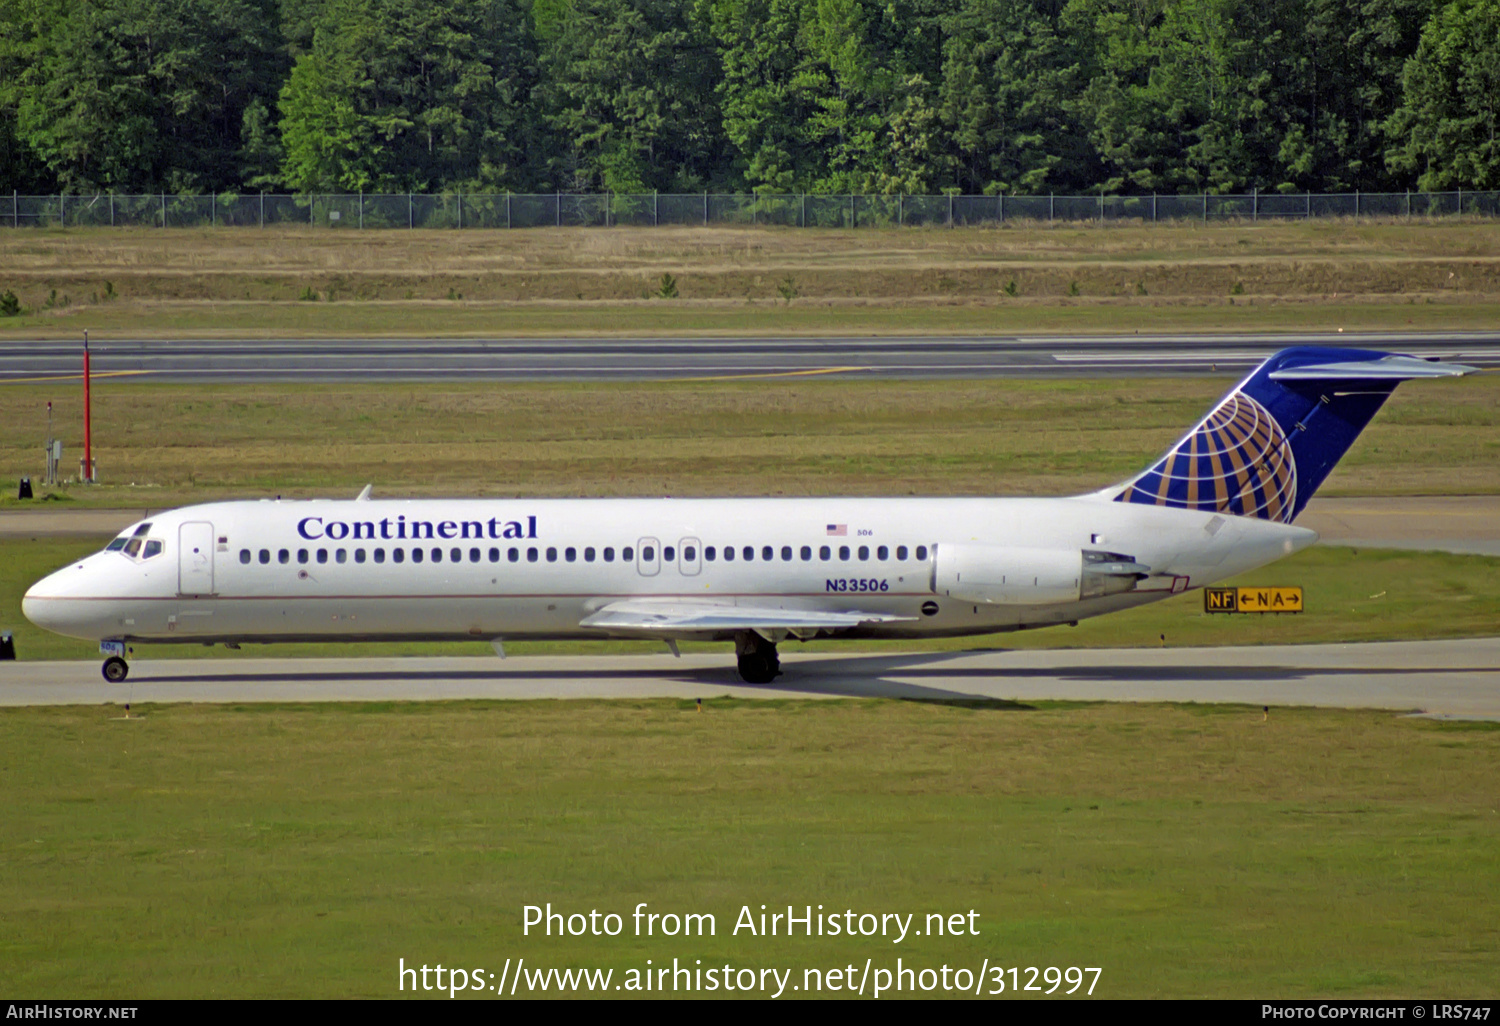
(302,555)
(244,555)
(473,555)
(729,553)
(153,548)
(667,553)
(843,552)
(767,553)
(588,554)
(627,554)
(689,553)
(806,553)
(531,554)
(457,555)
(398,555)
(514,555)
(648,553)
(265,555)
(825,553)
(342,555)
(283,556)
(882,553)
(359,555)
(437,555)
(551,554)
(322,555)
(609,554)
(380,555)
(921,552)
(494,555)
(708,553)
(786,553)
(864,552)
(748,552)
(570,554)
(901,552)
(417,555)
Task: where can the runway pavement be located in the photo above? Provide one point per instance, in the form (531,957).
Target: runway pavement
(1458,679)
(581,359)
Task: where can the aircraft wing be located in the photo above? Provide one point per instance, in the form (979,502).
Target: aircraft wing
(675,617)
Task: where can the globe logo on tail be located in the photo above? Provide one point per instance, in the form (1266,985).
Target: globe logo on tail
(1237,461)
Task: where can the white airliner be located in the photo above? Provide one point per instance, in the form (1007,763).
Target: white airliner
(755,571)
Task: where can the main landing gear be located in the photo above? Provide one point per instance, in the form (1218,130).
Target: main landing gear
(757,656)
(115,669)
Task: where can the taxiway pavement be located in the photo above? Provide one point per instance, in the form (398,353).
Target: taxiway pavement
(1459,679)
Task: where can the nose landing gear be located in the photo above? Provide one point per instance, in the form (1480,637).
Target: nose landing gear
(758,662)
(115,669)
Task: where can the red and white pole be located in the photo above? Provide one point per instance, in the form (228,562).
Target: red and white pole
(88,430)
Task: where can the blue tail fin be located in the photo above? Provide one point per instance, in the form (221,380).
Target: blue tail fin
(1267,446)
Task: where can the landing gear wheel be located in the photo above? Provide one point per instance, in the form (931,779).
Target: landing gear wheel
(758,662)
(115,669)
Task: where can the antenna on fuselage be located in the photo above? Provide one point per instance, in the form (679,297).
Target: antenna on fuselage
(364,494)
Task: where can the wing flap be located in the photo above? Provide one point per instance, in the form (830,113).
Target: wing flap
(641,616)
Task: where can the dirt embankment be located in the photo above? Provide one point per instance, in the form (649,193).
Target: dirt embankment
(1028,264)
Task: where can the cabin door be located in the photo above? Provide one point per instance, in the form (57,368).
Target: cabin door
(195,559)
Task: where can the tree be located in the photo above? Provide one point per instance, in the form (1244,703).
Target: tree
(141,94)
(763,109)
(1009,79)
(1445,128)
(404,95)
(20,168)
(629,94)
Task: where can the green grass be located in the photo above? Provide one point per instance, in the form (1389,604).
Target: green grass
(169,445)
(1351,595)
(1143,315)
(293,851)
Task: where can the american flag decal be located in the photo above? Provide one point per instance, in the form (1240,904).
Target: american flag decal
(838,530)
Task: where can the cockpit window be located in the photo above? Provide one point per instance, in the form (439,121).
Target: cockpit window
(153,548)
(117,544)
(143,529)
(133,547)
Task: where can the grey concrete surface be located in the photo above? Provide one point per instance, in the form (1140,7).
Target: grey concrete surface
(1443,678)
(48,521)
(1444,523)
(586,359)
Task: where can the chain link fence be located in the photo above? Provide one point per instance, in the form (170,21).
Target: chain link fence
(598,210)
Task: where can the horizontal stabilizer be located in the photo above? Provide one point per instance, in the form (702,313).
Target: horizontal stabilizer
(1386,368)
(652,617)
(1268,445)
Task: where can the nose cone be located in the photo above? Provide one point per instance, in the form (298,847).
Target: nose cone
(51,603)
